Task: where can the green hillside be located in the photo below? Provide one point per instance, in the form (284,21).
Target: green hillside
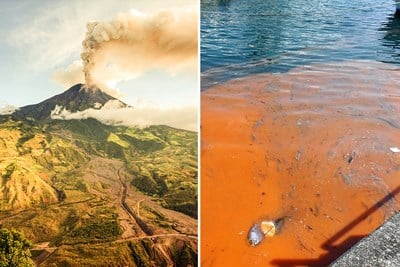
(81,184)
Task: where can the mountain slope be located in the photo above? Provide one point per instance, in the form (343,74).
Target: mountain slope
(123,195)
(76,98)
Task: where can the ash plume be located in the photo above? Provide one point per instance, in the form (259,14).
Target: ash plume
(133,43)
(72,74)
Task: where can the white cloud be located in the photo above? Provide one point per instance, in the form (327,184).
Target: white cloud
(7,109)
(112,113)
(50,38)
(53,35)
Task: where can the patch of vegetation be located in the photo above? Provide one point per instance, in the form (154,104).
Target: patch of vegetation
(152,214)
(64,154)
(14,249)
(88,129)
(139,253)
(71,180)
(100,186)
(143,140)
(176,137)
(145,183)
(183,254)
(8,171)
(182,199)
(115,139)
(71,220)
(83,186)
(68,223)
(92,255)
(113,150)
(39,224)
(176,189)
(147,251)
(104,229)
(24,137)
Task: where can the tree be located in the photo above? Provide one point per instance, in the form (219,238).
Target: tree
(14,249)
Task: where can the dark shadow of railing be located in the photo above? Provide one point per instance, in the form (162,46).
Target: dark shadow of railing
(334,251)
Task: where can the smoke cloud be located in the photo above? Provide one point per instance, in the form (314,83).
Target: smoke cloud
(134,43)
(70,75)
(73,74)
(112,113)
(126,47)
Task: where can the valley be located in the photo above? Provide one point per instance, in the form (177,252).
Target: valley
(91,194)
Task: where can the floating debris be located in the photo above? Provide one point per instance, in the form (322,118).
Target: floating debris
(260,230)
(268,228)
(255,235)
(395,149)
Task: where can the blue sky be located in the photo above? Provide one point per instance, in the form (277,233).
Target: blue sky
(41,37)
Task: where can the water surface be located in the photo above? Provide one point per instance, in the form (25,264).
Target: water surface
(300,110)
(242,37)
(312,146)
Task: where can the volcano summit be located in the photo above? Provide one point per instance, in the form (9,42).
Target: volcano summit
(77,98)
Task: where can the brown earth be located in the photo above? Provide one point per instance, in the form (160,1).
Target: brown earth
(124,200)
(109,185)
(110,172)
(311,146)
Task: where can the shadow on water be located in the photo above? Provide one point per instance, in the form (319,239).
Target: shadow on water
(334,251)
(392,33)
(224,2)
(397,13)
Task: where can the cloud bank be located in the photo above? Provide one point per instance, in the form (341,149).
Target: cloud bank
(111,113)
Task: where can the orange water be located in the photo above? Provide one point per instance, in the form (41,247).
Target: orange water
(311,146)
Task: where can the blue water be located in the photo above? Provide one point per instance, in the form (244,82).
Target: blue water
(242,37)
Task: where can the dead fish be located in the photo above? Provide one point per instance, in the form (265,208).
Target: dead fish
(255,235)
(260,230)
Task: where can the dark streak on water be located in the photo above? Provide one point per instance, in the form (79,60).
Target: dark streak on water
(242,37)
